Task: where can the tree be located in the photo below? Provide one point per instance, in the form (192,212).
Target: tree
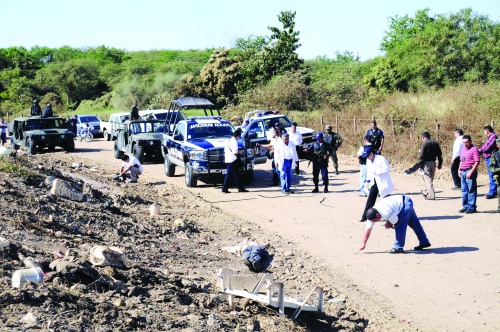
(275,58)
(436,51)
(218,78)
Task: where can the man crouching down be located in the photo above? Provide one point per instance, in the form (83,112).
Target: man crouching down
(131,167)
(398,213)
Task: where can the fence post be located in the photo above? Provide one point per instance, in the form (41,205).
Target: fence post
(492,123)
(355,124)
(373,118)
(336,123)
(437,128)
(322,124)
(392,124)
(462,124)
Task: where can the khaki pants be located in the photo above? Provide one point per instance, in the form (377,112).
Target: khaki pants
(429,171)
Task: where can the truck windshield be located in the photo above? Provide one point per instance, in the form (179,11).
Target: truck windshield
(209,130)
(282,120)
(146,127)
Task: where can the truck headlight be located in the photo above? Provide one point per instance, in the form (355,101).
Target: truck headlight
(63,136)
(151,142)
(43,137)
(198,155)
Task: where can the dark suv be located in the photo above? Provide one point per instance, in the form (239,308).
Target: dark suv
(142,138)
(37,133)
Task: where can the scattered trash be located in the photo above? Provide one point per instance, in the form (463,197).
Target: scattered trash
(154,210)
(4,242)
(4,151)
(104,255)
(29,262)
(20,277)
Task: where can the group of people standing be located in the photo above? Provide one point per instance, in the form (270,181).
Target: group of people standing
(36,110)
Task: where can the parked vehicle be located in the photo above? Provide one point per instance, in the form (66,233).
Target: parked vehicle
(36,133)
(85,133)
(141,138)
(197,143)
(110,127)
(160,114)
(93,121)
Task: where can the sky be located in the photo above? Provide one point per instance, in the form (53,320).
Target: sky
(326,26)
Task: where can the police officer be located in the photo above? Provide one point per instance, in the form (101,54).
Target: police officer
(321,152)
(134,112)
(47,111)
(335,142)
(35,109)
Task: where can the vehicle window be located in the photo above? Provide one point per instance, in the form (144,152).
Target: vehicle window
(209,130)
(33,124)
(124,118)
(180,129)
(90,118)
(284,122)
(258,128)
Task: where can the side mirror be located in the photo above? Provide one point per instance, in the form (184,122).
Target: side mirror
(178,137)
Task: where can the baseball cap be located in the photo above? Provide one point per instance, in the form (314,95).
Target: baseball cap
(366,152)
(320,135)
(328,127)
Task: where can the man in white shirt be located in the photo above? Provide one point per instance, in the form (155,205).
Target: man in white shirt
(296,138)
(398,213)
(285,158)
(130,167)
(231,158)
(378,178)
(455,158)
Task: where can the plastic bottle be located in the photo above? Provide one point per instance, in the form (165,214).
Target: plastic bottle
(29,262)
(20,277)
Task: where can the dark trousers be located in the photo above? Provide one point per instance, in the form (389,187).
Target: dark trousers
(299,150)
(317,167)
(232,173)
(370,201)
(454,172)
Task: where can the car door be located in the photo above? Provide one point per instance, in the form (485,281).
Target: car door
(253,134)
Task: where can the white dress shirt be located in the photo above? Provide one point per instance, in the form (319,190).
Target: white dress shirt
(457,147)
(295,138)
(230,150)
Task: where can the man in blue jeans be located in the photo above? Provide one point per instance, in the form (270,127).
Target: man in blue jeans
(487,150)
(398,213)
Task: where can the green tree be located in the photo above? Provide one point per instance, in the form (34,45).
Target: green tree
(276,57)
(437,51)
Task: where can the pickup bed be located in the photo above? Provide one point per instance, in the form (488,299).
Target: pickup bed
(110,128)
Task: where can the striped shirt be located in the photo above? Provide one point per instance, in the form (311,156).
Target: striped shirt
(469,157)
(389,207)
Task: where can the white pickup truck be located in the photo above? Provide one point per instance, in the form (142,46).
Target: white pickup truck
(110,127)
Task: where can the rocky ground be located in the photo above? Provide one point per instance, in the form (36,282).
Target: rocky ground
(169,280)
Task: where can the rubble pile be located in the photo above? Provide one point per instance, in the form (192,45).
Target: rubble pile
(143,256)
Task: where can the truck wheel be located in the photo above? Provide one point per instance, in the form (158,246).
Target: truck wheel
(169,167)
(118,153)
(248,177)
(70,146)
(188,175)
(139,153)
(106,135)
(31,147)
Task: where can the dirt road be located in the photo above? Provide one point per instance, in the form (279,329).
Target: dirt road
(453,286)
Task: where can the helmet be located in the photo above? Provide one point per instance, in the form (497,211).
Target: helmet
(328,127)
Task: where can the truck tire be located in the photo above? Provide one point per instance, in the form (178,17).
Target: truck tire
(31,147)
(248,177)
(70,146)
(191,180)
(169,167)
(138,152)
(116,150)
(106,135)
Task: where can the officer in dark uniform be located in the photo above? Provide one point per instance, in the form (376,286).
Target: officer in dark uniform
(134,112)
(47,111)
(321,151)
(35,109)
(335,142)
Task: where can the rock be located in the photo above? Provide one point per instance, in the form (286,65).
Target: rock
(64,189)
(29,319)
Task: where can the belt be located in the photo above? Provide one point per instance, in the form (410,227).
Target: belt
(288,159)
(467,169)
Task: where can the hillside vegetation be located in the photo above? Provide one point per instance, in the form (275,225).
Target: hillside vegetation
(443,68)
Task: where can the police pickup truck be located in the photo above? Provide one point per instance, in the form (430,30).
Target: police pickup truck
(196,144)
(271,118)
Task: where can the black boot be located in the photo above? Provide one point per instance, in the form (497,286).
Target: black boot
(336,170)
(315,190)
(326,189)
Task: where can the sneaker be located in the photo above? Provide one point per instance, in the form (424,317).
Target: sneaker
(462,211)
(226,191)
(422,246)
(362,195)
(470,211)
(325,190)
(456,188)
(290,191)
(361,220)
(491,196)
(243,191)
(396,251)
(315,190)
(133,181)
